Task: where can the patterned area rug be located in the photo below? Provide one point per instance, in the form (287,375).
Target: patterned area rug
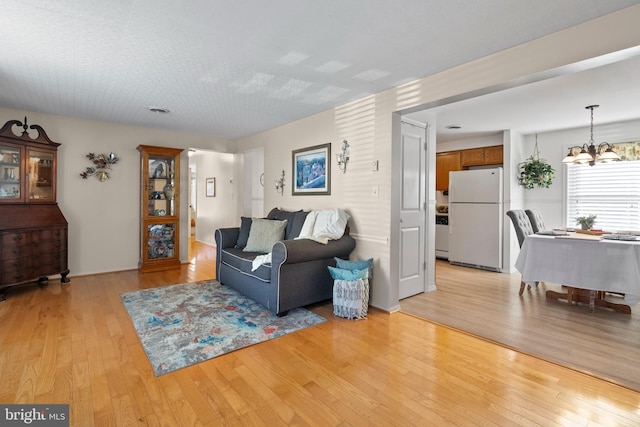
(181,325)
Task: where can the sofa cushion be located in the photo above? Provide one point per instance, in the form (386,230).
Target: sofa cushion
(264,233)
(295,219)
(245,226)
(242,261)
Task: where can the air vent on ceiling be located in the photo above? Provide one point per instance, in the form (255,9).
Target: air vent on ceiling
(158,110)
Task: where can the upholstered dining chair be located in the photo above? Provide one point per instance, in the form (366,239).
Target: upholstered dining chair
(522,225)
(535,217)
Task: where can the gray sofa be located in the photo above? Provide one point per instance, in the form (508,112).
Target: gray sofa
(297,275)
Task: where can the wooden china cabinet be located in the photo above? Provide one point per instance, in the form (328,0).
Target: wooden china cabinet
(159,208)
(33,230)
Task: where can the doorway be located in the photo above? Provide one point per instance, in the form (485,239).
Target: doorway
(193,200)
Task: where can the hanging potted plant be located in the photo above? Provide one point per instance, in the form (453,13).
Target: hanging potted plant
(535,172)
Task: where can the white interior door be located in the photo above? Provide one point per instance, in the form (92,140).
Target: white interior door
(412,211)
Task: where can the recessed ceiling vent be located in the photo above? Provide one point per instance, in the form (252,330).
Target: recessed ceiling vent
(158,110)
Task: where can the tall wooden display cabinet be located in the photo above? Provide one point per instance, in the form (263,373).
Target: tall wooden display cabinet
(159,208)
(33,230)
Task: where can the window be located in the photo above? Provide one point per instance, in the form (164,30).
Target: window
(611,191)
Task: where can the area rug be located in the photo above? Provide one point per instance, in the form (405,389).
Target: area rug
(181,325)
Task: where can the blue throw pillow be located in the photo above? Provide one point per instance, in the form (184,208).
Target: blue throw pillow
(354,265)
(296,224)
(243,236)
(350,275)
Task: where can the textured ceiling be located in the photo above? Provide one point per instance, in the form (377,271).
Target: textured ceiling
(232,69)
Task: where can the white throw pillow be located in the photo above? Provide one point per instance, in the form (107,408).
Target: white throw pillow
(264,233)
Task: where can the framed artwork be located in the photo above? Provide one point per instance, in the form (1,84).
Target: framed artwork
(312,170)
(211,187)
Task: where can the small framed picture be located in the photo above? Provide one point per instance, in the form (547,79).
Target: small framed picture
(312,170)
(211,187)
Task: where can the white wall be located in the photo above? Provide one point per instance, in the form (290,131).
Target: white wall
(367,125)
(104,216)
(221,210)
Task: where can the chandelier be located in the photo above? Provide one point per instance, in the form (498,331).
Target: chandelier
(589,153)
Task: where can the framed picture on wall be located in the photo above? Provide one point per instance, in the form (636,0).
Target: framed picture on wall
(312,170)
(211,187)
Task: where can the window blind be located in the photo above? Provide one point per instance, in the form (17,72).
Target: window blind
(611,191)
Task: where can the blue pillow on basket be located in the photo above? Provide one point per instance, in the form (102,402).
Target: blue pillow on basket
(349,275)
(354,265)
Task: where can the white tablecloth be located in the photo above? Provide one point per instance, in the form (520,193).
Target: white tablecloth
(604,265)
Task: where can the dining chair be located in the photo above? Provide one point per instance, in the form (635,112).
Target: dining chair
(535,217)
(523,227)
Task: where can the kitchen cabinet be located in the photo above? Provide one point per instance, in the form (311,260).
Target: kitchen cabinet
(33,230)
(483,156)
(462,159)
(493,155)
(472,157)
(159,208)
(446,162)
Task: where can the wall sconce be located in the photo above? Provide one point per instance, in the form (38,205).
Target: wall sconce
(343,158)
(280,184)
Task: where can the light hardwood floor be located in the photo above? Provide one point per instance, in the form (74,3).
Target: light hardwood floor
(75,344)
(603,343)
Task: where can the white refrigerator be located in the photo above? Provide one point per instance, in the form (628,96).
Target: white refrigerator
(476,218)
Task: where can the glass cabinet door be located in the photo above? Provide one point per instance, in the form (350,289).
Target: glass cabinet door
(10,172)
(162,186)
(159,208)
(41,175)
(161,240)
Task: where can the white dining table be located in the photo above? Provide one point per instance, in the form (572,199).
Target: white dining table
(583,262)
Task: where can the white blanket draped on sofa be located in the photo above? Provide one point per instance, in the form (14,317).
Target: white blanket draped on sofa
(324,225)
(259,260)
